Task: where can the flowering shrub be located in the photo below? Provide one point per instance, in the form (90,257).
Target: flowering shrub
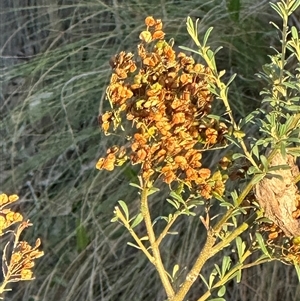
(18,256)
(168,101)
(164,102)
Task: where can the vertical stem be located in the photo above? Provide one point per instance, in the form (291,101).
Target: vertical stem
(191,277)
(155,249)
(283,46)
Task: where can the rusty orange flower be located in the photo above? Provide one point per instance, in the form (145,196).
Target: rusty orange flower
(150,21)
(165,96)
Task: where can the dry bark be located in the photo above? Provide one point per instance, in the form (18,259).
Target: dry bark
(278,195)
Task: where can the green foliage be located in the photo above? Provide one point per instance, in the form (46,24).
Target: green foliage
(81,237)
(279,132)
(51,141)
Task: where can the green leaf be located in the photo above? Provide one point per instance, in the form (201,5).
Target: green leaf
(211,57)
(114,219)
(217,50)
(222,291)
(262,245)
(297,267)
(238,276)
(174,203)
(177,197)
(218,270)
(294,6)
(207,35)
(221,73)
(135,185)
(225,266)
(237,156)
(205,282)
(294,32)
(133,245)
(211,279)
(257,178)
(189,49)
(82,239)
(125,209)
(217,299)
(137,220)
(226,204)
(277,9)
(264,162)
(231,79)
(175,270)
(241,246)
(152,190)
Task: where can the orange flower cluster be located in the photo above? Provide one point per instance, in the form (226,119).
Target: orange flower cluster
(22,259)
(18,266)
(8,217)
(279,245)
(166,97)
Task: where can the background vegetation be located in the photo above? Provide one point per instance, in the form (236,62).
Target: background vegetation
(55,68)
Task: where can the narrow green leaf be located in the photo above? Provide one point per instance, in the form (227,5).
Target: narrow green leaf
(222,291)
(264,162)
(211,279)
(294,6)
(189,49)
(294,32)
(225,266)
(257,178)
(114,219)
(152,190)
(277,9)
(221,73)
(227,205)
(133,245)
(137,220)
(206,35)
(217,50)
(177,197)
(82,239)
(241,246)
(135,185)
(210,55)
(205,282)
(283,150)
(277,27)
(237,156)
(125,209)
(238,276)
(262,245)
(297,267)
(175,270)
(231,79)
(218,270)
(173,203)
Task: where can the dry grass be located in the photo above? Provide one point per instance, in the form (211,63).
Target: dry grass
(55,69)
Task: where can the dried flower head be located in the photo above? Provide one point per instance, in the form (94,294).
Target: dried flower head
(166,97)
(17,265)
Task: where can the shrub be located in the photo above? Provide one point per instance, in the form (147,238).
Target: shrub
(166,107)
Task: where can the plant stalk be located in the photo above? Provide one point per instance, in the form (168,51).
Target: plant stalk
(193,274)
(155,248)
